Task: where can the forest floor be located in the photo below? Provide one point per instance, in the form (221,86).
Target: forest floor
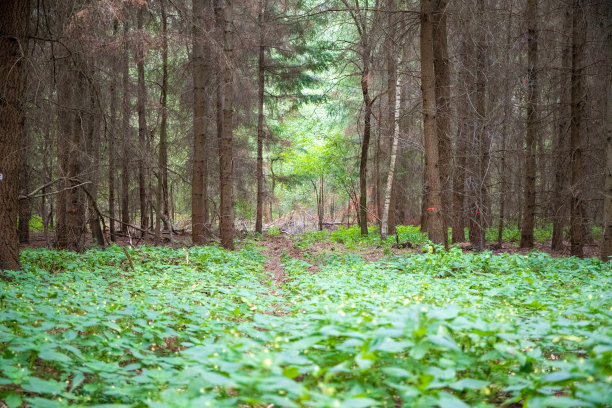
(312,320)
(276,245)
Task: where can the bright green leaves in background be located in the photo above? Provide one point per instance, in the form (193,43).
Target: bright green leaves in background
(205,327)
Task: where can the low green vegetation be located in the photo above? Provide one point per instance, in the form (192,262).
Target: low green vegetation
(204,327)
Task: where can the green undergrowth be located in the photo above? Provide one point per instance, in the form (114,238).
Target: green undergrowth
(351,237)
(205,327)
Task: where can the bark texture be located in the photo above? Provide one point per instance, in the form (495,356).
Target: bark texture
(260,117)
(576,143)
(13,73)
(226,221)
(606,245)
(531,136)
(436,224)
(199,180)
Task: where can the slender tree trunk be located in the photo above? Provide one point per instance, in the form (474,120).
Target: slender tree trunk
(162,160)
(260,116)
(25,204)
(578,102)
(458,232)
(199,181)
(560,144)
(111,157)
(226,214)
(142,125)
(71,227)
(392,160)
(606,245)
(365,143)
(480,168)
(393,96)
(428,88)
(13,48)
(531,136)
(125,130)
(503,195)
(92,142)
(442,79)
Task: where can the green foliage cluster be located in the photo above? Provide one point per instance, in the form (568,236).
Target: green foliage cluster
(352,237)
(205,327)
(307,239)
(540,234)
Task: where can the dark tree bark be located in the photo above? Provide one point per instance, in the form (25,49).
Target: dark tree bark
(142,125)
(111,130)
(162,162)
(226,221)
(576,137)
(71,228)
(531,136)
(25,202)
(559,203)
(260,116)
(199,181)
(479,167)
(125,130)
(606,245)
(435,211)
(443,114)
(13,45)
(92,142)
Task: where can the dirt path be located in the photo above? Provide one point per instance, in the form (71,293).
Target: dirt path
(274,247)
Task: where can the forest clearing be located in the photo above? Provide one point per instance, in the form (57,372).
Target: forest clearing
(305,203)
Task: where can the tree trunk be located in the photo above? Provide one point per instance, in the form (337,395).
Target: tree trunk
(435,210)
(71,227)
(606,245)
(13,45)
(392,160)
(577,108)
(162,161)
(531,136)
(125,130)
(25,204)
(142,126)
(503,195)
(560,144)
(92,143)
(199,181)
(111,157)
(480,166)
(226,214)
(365,143)
(442,79)
(260,116)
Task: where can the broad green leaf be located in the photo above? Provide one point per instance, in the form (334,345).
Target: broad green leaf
(39,386)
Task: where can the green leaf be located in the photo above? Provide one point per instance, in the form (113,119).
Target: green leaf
(446,400)
(52,355)
(468,384)
(217,379)
(39,386)
(396,372)
(291,372)
(445,342)
(13,400)
(557,376)
(359,403)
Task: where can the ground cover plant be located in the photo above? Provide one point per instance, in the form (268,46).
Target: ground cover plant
(159,327)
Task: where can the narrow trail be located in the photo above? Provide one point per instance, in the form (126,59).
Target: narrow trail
(273,248)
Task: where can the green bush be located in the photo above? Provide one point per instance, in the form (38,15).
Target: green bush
(273,231)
